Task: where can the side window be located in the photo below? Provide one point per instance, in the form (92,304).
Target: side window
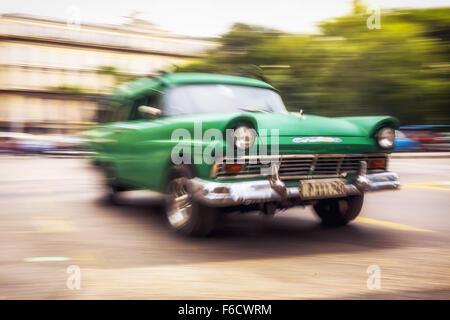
(153,100)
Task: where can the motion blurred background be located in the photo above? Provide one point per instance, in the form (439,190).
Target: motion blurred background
(368,61)
(60,59)
(339,58)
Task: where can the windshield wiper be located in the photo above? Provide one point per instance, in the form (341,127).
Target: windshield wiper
(249,109)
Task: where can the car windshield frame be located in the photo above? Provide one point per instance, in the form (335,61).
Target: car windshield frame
(203,98)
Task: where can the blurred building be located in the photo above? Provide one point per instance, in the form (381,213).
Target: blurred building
(52,73)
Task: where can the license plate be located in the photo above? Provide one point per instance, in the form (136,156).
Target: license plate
(317,189)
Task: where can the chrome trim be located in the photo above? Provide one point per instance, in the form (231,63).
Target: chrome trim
(220,194)
(275,181)
(214,170)
(310,155)
(252,160)
(388,160)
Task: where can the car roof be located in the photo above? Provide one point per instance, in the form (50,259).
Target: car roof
(142,86)
(171,79)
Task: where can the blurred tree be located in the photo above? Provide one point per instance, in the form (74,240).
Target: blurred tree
(401,69)
(118,76)
(72,89)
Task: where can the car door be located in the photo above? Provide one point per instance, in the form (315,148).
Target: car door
(131,137)
(107,137)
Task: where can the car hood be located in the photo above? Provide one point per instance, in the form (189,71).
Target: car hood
(308,125)
(289,124)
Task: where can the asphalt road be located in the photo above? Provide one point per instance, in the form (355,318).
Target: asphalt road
(52,217)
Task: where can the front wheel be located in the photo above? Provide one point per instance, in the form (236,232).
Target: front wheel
(112,193)
(113,187)
(185,215)
(339,211)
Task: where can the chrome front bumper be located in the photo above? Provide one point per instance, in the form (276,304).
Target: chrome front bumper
(219,194)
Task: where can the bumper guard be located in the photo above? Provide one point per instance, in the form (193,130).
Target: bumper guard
(218,194)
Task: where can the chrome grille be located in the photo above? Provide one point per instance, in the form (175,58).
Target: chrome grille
(301,166)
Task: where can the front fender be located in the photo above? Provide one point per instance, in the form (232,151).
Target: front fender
(371,124)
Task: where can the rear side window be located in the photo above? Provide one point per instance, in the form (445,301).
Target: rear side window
(120,113)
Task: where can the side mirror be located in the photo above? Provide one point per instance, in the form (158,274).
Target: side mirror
(149,111)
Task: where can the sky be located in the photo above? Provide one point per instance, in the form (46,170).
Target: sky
(206,17)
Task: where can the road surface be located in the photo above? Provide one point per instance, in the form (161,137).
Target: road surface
(58,240)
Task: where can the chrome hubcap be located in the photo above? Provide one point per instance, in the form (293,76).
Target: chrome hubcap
(180,207)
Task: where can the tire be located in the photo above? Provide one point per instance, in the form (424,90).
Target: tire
(113,187)
(339,211)
(184,215)
(113,191)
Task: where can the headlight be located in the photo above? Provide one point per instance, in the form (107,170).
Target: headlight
(386,137)
(244,137)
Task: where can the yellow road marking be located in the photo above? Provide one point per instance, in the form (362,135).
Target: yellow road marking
(445,183)
(54,224)
(392,225)
(425,186)
(434,188)
(85,257)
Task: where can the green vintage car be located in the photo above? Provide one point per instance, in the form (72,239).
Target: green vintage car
(212,144)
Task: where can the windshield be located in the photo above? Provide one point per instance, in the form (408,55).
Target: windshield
(221,98)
